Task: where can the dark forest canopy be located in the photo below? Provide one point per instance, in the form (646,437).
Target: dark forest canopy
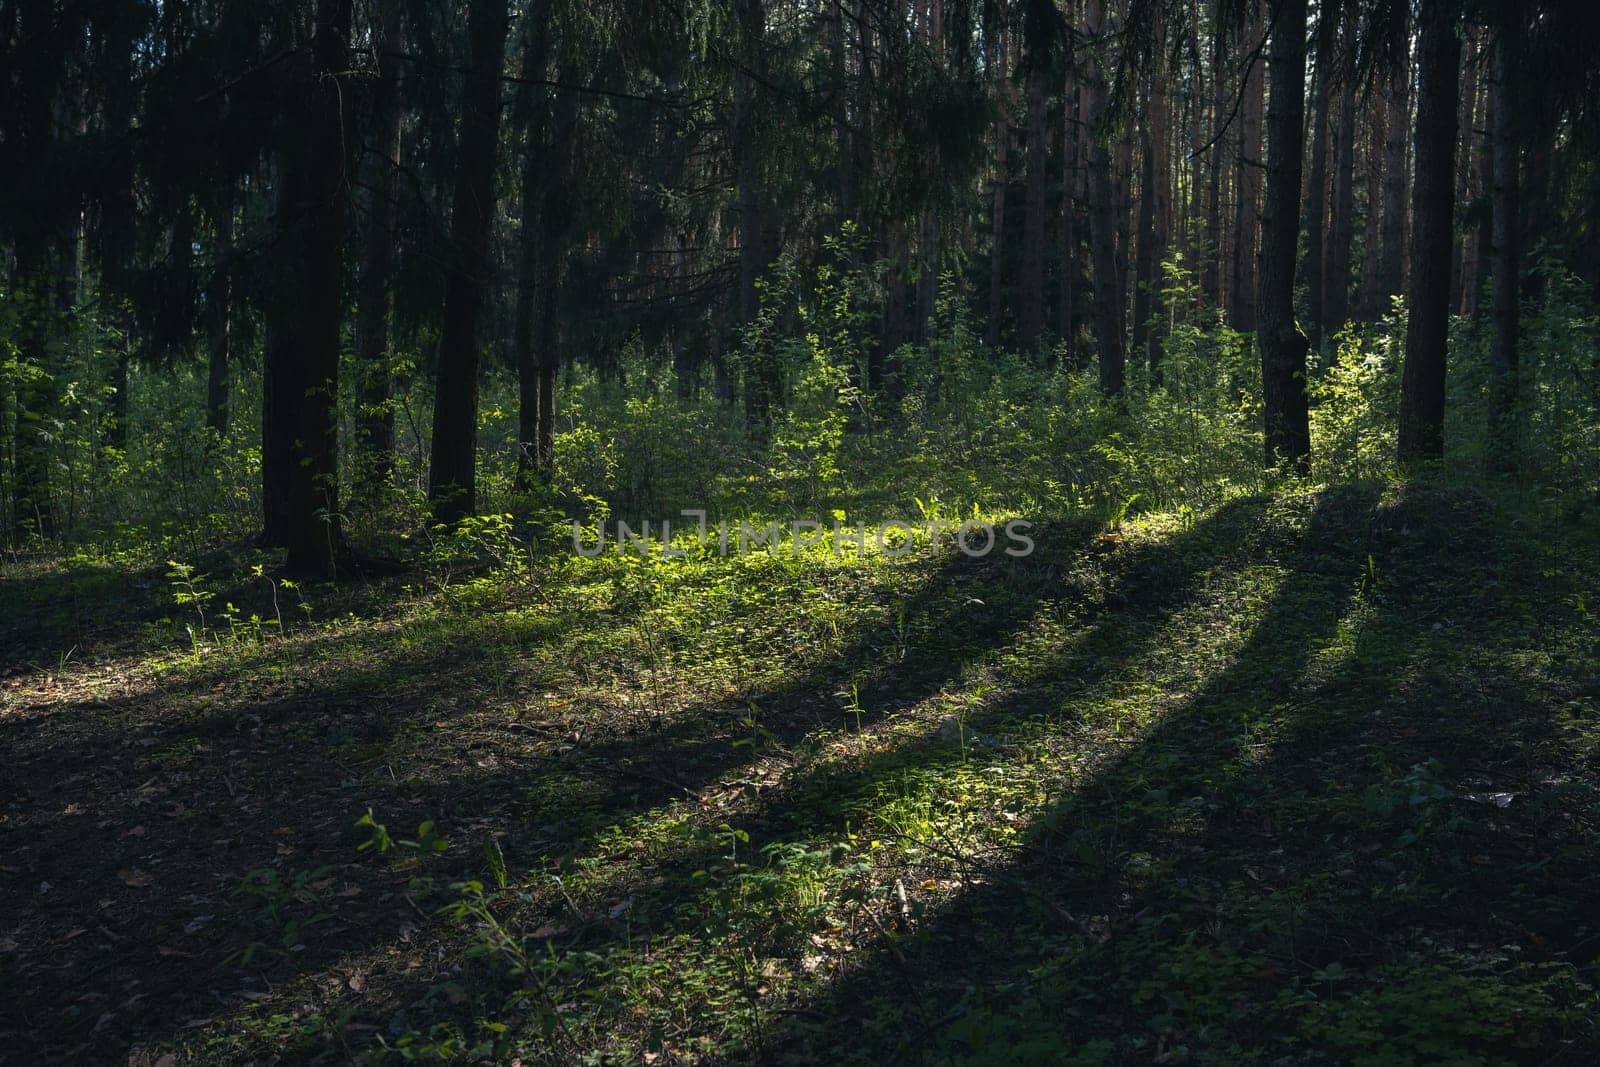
(347,206)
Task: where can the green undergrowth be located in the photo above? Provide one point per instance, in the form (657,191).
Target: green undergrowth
(1299,778)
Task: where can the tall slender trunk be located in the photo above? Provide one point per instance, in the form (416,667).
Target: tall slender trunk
(1211,251)
(1463,247)
(300,486)
(997,216)
(761,384)
(1243,287)
(219,378)
(1422,384)
(1102,219)
(1030,321)
(1341,233)
(535,119)
(1506,250)
(1122,182)
(1067,324)
(1397,134)
(374,303)
(1144,263)
(1316,204)
(1369,302)
(314,528)
(1283,346)
(452,488)
(1483,205)
(280,374)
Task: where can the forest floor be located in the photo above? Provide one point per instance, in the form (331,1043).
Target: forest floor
(1309,778)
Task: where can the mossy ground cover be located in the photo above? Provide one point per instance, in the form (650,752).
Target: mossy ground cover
(1306,777)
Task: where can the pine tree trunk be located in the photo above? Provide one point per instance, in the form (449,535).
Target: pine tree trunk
(1102,217)
(1283,346)
(1370,302)
(997,216)
(1067,323)
(1031,320)
(374,375)
(1506,255)
(1341,234)
(1422,386)
(1316,205)
(280,374)
(1397,133)
(219,377)
(452,488)
(1211,252)
(1161,221)
(1462,246)
(1243,288)
(313,533)
(1483,205)
(1144,264)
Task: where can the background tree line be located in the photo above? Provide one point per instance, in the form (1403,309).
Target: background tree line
(347,205)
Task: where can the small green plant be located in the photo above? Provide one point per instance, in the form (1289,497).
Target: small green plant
(285,906)
(188,590)
(427,839)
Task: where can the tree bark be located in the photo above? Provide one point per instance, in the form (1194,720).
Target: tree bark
(1316,204)
(1067,324)
(314,533)
(219,290)
(1243,287)
(1506,255)
(452,489)
(1030,323)
(1397,105)
(1422,385)
(997,216)
(1283,346)
(1341,234)
(374,363)
(1102,220)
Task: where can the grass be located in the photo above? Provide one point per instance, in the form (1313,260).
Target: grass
(1304,778)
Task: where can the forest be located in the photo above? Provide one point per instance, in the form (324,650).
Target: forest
(800,531)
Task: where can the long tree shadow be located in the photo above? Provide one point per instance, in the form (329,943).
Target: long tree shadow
(1316,809)
(275,764)
(663,896)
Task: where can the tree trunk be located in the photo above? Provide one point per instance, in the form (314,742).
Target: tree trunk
(280,372)
(1030,322)
(1243,286)
(219,379)
(1370,300)
(452,489)
(1422,384)
(1397,106)
(1462,250)
(552,256)
(1341,234)
(374,363)
(313,531)
(1211,250)
(1506,254)
(1483,205)
(1144,263)
(997,217)
(1283,346)
(1316,204)
(1067,323)
(1102,219)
